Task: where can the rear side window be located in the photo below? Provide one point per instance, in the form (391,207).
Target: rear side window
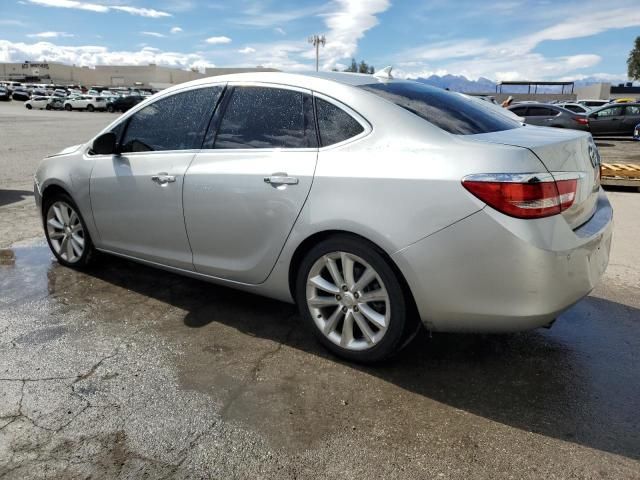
(177,122)
(541,112)
(334,124)
(610,112)
(521,111)
(452,113)
(632,110)
(262,117)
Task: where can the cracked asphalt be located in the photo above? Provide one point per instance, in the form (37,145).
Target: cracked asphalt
(129,372)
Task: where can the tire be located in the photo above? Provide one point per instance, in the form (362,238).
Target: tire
(90,108)
(333,307)
(48,107)
(68,108)
(67,235)
(29,107)
(110,109)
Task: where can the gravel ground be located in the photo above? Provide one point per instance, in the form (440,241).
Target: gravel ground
(130,372)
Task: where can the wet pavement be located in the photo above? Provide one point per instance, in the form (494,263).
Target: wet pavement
(129,372)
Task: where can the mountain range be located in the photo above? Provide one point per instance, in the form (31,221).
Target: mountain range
(460,83)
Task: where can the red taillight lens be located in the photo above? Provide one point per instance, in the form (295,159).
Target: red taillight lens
(581,120)
(525,199)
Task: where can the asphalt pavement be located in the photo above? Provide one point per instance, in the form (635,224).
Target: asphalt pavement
(129,372)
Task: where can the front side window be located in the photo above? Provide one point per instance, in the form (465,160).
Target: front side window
(451,112)
(262,117)
(334,124)
(177,122)
(609,112)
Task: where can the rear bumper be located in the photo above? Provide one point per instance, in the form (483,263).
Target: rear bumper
(493,273)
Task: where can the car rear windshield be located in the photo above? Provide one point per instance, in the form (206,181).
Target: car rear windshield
(451,112)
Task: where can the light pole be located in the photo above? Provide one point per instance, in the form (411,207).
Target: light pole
(317,41)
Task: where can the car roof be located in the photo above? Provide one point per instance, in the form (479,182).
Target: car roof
(613,105)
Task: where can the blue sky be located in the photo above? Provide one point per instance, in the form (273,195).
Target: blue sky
(500,40)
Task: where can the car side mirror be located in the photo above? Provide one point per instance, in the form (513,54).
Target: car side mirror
(105,144)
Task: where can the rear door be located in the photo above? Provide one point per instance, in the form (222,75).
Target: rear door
(607,121)
(244,191)
(542,116)
(630,120)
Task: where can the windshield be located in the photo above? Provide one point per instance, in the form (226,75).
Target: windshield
(451,112)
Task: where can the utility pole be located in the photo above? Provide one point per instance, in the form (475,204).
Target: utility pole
(317,41)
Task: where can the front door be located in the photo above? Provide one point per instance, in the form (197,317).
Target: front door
(606,121)
(243,193)
(136,196)
(630,120)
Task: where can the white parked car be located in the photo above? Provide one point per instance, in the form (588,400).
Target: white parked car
(37,102)
(85,102)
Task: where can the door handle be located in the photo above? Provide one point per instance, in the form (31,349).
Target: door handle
(163,178)
(280,178)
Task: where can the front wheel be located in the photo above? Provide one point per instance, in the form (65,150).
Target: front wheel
(66,232)
(110,109)
(29,107)
(352,299)
(90,108)
(67,107)
(48,107)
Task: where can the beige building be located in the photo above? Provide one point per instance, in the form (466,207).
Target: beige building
(606,91)
(142,76)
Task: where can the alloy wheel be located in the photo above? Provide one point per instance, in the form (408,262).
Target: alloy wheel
(348,301)
(65,231)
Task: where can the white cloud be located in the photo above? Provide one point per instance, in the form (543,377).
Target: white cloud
(153,34)
(247,50)
(176,30)
(218,40)
(347,25)
(515,59)
(257,16)
(280,30)
(91,55)
(100,8)
(50,35)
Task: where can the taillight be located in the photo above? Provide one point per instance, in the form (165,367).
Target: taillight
(581,120)
(523,195)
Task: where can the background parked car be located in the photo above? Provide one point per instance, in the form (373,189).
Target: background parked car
(546,115)
(85,102)
(38,102)
(5,95)
(593,103)
(55,103)
(21,95)
(615,119)
(122,104)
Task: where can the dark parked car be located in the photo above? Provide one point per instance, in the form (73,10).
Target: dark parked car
(616,119)
(5,96)
(550,116)
(21,95)
(123,104)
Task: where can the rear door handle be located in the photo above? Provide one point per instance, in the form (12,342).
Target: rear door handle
(280,178)
(163,178)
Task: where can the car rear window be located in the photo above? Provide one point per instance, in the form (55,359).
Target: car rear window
(448,111)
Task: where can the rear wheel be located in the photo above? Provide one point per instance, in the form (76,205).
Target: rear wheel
(352,299)
(67,107)
(90,108)
(66,232)
(29,107)
(110,109)
(48,107)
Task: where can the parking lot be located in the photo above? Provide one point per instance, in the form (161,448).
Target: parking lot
(130,372)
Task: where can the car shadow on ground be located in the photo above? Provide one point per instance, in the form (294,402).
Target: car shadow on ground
(8,197)
(577,382)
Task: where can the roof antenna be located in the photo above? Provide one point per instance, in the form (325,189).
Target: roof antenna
(384,73)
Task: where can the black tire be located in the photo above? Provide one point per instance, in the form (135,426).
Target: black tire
(88,254)
(90,108)
(68,108)
(401,322)
(48,107)
(110,109)
(29,107)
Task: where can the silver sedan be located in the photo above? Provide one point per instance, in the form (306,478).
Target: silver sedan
(375,204)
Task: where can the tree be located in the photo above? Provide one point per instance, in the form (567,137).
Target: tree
(361,67)
(633,62)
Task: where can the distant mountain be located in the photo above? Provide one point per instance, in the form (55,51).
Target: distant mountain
(460,83)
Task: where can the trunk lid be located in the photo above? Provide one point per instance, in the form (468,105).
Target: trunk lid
(562,152)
